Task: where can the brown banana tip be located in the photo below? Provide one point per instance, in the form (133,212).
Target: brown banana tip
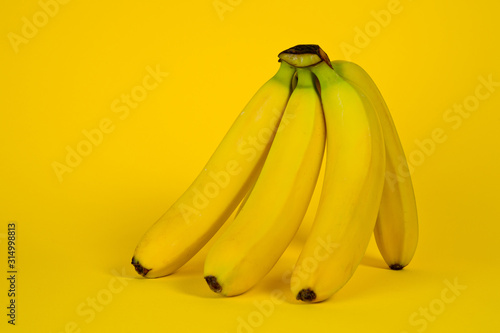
(306,295)
(396,267)
(213,284)
(303,49)
(139,268)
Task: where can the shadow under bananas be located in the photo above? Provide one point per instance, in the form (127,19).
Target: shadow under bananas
(189,279)
(192,285)
(369,260)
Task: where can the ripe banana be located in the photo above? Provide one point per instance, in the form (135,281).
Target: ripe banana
(352,188)
(396,230)
(198,213)
(273,212)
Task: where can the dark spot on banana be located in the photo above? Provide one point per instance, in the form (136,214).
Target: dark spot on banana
(396,267)
(306,295)
(139,268)
(213,284)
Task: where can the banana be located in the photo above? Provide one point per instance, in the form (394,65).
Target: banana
(198,213)
(267,222)
(352,188)
(244,201)
(396,230)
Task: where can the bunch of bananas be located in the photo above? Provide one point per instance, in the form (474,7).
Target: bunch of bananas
(268,163)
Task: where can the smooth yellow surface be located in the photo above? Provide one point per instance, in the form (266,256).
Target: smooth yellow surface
(429,59)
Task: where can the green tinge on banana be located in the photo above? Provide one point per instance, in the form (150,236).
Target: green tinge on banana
(396,230)
(198,213)
(273,211)
(351,193)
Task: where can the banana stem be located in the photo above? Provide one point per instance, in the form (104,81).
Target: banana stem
(325,74)
(285,72)
(304,55)
(305,78)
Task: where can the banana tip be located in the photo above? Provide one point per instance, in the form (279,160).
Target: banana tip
(213,284)
(306,295)
(139,268)
(396,267)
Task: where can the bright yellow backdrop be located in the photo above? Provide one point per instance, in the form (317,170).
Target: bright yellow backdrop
(64,68)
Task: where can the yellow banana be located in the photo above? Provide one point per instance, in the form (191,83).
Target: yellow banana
(244,201)
(352,188)
(198,213)
(255,240)
(396,230)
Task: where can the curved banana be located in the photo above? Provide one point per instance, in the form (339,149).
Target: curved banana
(396,230)
(351,193)
(255,240)
(244,201)
(198,213)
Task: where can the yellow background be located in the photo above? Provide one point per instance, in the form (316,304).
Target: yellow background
(76,235)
